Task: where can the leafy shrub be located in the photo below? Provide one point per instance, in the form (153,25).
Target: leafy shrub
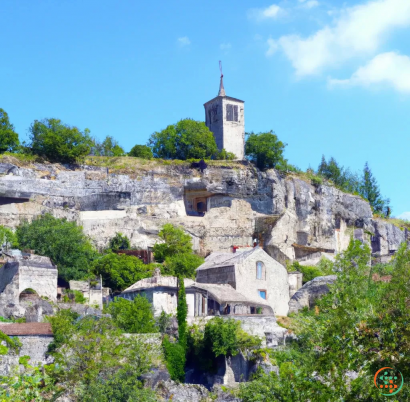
(8,238)
(9,139)
(109,147)
(324,267)
(182,264)
(72,295)
(120,271)
(141,151)
(120,242)
(175,359)
(163,321)
(134,316)
(63,241)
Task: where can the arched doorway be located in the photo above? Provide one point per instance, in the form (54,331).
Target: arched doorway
(28,296)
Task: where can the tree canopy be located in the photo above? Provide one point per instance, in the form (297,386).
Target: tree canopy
(141,151)
(109,147)
(184,140)
(176,241)
(59,142)
(120,271)
(63,241)
(133,317)
(265,149)
(120,242)
(9,139)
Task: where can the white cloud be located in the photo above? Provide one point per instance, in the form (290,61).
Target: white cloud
(184,41)
(225,46)
(309,3)
(389,68)
(273,47)
(405,215)
(271,12)
(357,31)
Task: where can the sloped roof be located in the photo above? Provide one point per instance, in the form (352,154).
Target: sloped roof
(218,259)
(157,281)
(31,328)
(227,294)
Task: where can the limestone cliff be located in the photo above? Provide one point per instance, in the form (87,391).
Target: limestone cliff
(226,204)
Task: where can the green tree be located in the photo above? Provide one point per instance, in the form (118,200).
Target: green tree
(141,151)
(175,358)
(59,142)
(225,155)
(109,147)
(264,149)
(369,189)
(63,241)
(119,271)
(182,265)
(9,139)
(182,312)
(8,238)
(176,241)
(360,326)
(184,140)
(120,242)
(134,317)
(95,355)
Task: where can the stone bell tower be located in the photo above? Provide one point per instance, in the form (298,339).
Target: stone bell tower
(225,117)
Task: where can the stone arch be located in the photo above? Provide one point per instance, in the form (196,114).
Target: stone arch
(28,295)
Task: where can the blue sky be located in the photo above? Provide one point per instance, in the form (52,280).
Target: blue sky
(329,77)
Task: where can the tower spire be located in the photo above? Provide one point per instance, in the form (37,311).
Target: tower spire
(221,84)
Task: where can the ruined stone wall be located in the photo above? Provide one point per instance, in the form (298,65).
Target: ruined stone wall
(42,280)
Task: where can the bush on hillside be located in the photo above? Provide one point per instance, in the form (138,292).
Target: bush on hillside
(120,242)
(9,139)
(141,151)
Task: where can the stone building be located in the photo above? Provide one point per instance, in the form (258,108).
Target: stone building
(203,299)
(94,294)
(225,117)
(22,278)
(34,338)
(253,273)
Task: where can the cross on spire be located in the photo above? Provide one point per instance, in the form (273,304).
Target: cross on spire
(221,84)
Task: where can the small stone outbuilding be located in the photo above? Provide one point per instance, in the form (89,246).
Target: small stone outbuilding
(252,273)
(24,277)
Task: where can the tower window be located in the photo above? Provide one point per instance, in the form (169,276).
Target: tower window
(260,274)
(231,112)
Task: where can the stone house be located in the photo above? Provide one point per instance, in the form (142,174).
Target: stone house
(95,294)
(252,272)
(24,277)
(34,338)
(203,299)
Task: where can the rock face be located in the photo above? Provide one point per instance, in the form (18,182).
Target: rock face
(291,218)
(309,292)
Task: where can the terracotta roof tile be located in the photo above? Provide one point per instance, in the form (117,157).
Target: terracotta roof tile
(31,328)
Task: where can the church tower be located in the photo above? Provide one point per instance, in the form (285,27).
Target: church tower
(225,117)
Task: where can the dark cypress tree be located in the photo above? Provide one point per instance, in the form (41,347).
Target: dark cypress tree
(369,189)
(182,312)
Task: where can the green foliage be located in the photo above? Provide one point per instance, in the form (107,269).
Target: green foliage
(369,189)
(184,140)
(11,343)
(120,271)
(163,321)
(182,312)
(323,268)
(8,237)
(141,151)
(225,155)
(62,325)
(182,264)
(134,317)
(176,241)
(366,185)
(120,242)
(63,241)
(221,337)
(74,296)
(175,359)
(109,147)
(9,139)
(98,353)
(58,142)
(265,150)
(361,325)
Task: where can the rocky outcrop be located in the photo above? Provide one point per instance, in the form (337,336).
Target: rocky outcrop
(310,292)
(292,218)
